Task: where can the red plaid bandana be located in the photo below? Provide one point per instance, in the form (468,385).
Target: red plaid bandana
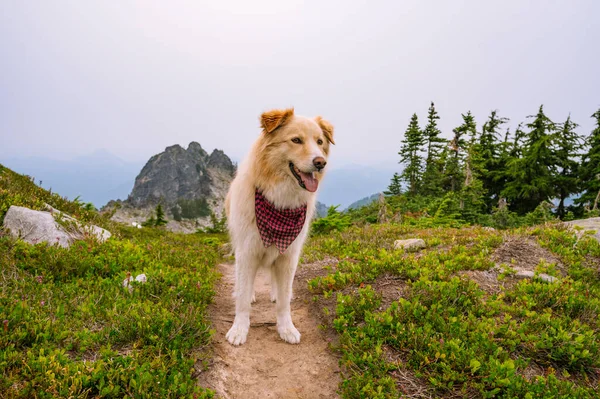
(279,227)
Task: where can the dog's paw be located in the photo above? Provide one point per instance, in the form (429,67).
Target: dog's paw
(289,334)
(273,297)
(237,335)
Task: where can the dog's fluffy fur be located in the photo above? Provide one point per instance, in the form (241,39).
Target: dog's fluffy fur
(285,139)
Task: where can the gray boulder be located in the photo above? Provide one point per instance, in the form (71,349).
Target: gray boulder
(40,226)
(591,224)
(411,244)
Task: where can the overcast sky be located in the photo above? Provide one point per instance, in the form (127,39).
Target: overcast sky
(136,76)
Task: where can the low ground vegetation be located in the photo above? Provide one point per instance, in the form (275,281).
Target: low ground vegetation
(71,329)
(450,321)
(444,334)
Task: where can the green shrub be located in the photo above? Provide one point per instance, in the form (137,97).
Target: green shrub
(334,221)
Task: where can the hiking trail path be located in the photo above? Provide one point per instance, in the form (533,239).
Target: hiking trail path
(266,366)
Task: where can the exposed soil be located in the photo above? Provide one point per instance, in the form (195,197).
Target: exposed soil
(265,366)
(521,254)
(391,288)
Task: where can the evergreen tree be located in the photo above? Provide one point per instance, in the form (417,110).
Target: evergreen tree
(160,216)
(454,170)
(432,177)
(504,157)
(490,151)
(410,157)
(568,144)
(590,168)
(531,176)
(395,187)
(471,195)
(516,149)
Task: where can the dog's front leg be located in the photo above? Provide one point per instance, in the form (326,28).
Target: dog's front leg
(246,267)
(284,268)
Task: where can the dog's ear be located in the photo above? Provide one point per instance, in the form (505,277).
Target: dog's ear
(275,118)
(327,128)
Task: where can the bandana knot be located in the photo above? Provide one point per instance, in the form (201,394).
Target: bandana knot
(277,226)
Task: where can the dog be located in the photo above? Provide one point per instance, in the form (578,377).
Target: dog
(269,207)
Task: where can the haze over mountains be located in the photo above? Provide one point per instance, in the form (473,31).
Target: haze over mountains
(97,177)
(101,176)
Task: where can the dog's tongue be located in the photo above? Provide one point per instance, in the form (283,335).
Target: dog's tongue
(309,181)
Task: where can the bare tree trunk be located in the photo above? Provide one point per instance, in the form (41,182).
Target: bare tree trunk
(468,173)
(502,204)
(382,216)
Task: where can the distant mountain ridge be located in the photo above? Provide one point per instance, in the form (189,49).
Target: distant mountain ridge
(97,178)
(100,177)
(344,184)
(364,201)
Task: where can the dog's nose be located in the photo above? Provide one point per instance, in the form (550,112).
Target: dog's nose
(319,163)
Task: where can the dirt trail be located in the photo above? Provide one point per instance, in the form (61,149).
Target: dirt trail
(265,366)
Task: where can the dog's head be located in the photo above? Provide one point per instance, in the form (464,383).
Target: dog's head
(295,147)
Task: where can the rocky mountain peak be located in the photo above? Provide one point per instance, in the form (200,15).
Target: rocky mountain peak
(196,148)
(174,149)
(178,177)
(219,160)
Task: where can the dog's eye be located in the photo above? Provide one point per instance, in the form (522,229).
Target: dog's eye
(319,142)
(296,140)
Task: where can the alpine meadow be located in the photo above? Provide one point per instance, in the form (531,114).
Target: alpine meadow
(294,199)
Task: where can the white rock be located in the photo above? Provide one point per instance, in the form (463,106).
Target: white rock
(546,278)
(410,244)
(101,234)
(39,226)
(140,278)
(591,224)
(523,274)
(127,285)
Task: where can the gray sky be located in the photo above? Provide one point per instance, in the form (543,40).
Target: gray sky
(136,76)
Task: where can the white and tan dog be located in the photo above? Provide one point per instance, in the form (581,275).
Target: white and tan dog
(285,165)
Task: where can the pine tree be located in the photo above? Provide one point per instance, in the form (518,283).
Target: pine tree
(531,176)
(454,171)
(471,195)
(515,148)
(432,177)
(568,144)
(590,168)
(395,187)
(160,216)
(490,150)
(410,155)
